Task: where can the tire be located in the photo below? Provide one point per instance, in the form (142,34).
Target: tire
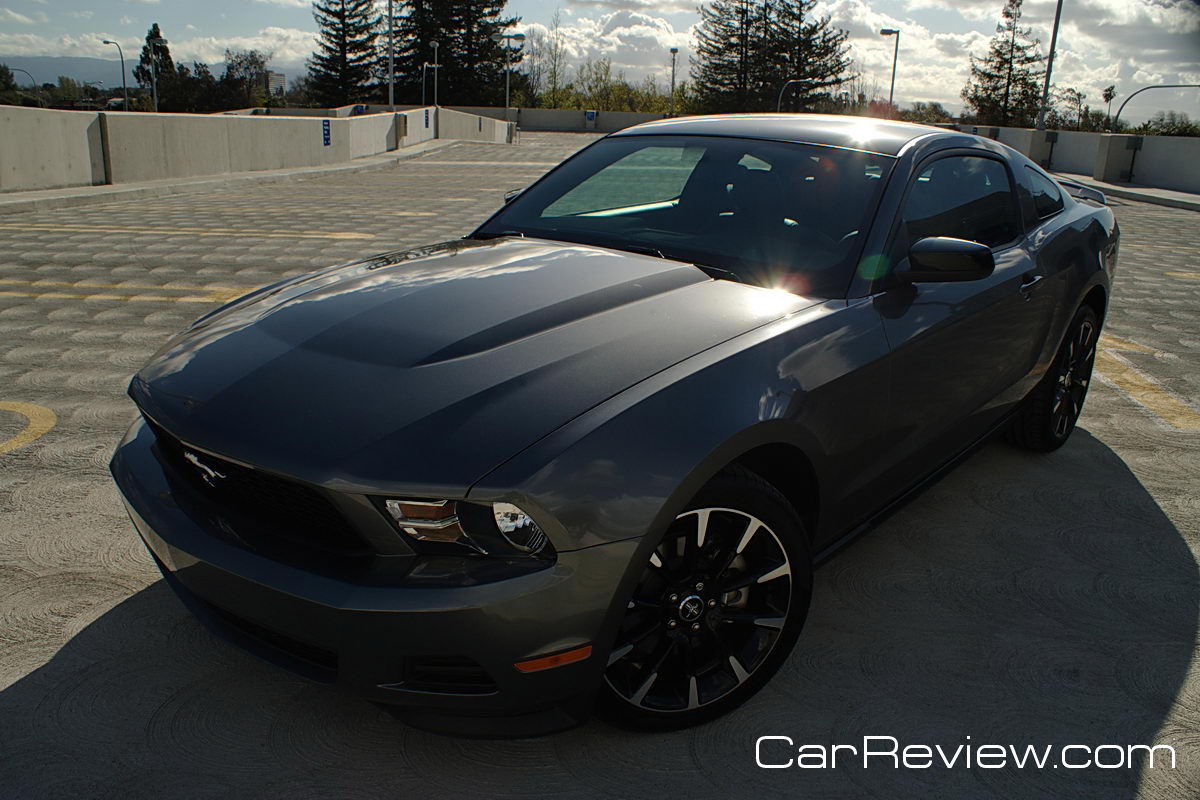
(1050,413)
(716,611)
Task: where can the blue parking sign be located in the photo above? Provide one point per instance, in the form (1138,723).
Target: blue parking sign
(325,131)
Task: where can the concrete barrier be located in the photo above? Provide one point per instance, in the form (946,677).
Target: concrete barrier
(1168,162)
(42,149)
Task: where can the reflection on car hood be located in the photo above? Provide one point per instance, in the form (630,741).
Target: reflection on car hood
(426,369)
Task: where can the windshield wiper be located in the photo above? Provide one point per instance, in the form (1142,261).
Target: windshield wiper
(492,235)
(707,269)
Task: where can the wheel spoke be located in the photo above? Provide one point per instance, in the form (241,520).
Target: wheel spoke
(739,671)
(761,620)
(644,689)
(751,578)
(693,694)
(619,653)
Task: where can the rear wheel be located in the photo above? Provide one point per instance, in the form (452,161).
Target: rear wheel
(1052,409)
(718,608)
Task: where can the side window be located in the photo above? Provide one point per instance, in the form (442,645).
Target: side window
(1047,197)
(964,197)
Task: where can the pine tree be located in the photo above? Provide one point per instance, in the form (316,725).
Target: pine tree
(806,48)
(1005,85)
(728,68)
(747,49)
(342,66)
(472,64)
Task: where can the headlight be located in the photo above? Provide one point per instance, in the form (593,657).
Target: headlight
(518,528)
(448,527)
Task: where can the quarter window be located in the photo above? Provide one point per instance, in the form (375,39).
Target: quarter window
(964,197)
(1047,198)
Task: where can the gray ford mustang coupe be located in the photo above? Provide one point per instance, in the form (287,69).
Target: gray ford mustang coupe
(587,456)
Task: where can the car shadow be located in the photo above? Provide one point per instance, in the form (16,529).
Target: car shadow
(1023,600)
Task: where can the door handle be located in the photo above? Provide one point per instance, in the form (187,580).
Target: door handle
(1028,283)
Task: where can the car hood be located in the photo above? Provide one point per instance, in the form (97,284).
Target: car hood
(422,371)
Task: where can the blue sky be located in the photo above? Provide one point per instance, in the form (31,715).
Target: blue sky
(1130,43)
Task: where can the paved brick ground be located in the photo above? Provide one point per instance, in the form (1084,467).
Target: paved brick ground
(1023,600)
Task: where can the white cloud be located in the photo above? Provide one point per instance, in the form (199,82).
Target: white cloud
(145,2)
(636,43)
(292,3)
(8,15)
(289,46)
(648,6)
(80,14)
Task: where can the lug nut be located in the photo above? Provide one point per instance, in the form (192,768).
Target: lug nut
(672,623)
(674,598)
(695,626)
(699,587)
(712,603)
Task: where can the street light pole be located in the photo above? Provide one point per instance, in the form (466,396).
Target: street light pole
(674,53)
(435,66)
(124,88)
(782,89)
(895,57)
(506,38)
(1115,127)
(1041,119)
(154,43)
(38,89)
(391,58)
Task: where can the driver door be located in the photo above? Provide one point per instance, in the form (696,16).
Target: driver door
(958,350)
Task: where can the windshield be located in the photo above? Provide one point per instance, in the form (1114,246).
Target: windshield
(771,213)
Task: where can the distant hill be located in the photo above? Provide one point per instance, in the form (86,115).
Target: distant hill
(46,69)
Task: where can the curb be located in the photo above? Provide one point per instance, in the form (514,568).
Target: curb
(1131,193)
(95,195)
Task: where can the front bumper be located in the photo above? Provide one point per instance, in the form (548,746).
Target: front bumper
(384,642)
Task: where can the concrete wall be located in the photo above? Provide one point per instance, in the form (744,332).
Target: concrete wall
(471,127)
(1169,162)
(1075,152)
(42,149)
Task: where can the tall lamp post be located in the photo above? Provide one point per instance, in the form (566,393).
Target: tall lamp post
(124,88)
(895,57)
(674,53)
(391,58)
(782,89)
(436,65)
(506,38)
(154,43)
(1041,118)
(38,90)
(1115,126)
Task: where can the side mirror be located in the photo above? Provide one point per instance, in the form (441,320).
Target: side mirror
(942,259)
(511,195)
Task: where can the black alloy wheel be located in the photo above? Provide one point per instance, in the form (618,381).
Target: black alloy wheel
(1053,408)
(716,611)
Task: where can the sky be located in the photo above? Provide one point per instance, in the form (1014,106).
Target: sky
(1130,43)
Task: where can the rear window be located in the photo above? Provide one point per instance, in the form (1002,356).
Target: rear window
(1047,197)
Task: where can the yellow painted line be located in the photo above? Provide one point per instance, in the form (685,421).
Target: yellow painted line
(1195,276)
(145,298)
(75,228)
(228,292)
(1108,342)
(1141,388)
(38,419)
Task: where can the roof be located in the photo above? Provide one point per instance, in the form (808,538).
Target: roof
(855,133)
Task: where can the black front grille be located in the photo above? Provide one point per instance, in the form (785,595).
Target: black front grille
(319,657)
(277,510)
(448,674)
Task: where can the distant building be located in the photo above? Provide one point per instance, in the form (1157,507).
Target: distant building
(276,82)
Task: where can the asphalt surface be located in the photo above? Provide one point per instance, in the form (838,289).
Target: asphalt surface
(1023,600)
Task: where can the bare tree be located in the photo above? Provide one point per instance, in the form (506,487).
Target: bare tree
(555,58)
